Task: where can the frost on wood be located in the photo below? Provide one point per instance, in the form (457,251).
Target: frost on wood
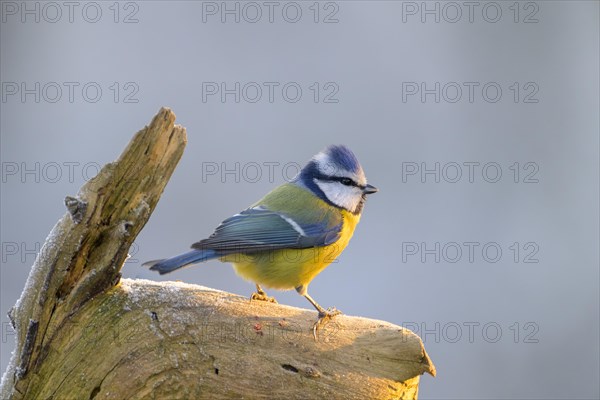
(82,332)
(180,341)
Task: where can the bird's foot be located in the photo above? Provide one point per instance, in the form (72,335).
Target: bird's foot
(325,316)
(260,295)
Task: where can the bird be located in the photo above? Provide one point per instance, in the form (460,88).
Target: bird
(284,240)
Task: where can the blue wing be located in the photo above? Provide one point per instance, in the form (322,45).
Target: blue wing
(259,229)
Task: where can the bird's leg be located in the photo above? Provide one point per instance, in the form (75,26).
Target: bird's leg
(324,315)
(261,295)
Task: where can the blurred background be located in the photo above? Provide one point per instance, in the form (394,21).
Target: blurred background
(478,122)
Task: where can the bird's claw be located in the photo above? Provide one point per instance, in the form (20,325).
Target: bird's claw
(262,296)
(324,317)
(329,313)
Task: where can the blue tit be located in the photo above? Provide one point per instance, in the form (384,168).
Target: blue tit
(285,239)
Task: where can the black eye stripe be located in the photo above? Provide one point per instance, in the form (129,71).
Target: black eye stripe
(339,179)
(344,181)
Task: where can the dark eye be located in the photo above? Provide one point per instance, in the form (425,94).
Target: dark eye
(346,181)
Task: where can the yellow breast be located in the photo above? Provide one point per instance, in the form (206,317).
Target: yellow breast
(290,268)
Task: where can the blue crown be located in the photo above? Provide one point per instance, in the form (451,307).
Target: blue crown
(343,157)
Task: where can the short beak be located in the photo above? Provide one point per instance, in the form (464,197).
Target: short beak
(368,189)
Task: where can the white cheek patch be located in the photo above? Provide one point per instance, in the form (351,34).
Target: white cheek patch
(347,197)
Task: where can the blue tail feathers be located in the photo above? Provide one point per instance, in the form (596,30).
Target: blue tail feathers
(171,264)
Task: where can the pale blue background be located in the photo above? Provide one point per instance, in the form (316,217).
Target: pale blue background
(368,53)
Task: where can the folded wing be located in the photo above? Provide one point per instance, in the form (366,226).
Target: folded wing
(259,229)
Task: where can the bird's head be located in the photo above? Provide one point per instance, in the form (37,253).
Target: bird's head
(335,175)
